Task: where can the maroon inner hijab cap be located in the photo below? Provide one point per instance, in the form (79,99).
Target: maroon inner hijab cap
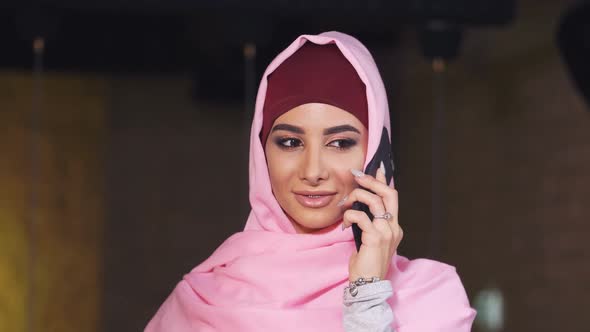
(314,74)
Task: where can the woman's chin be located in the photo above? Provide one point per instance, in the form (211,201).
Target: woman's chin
(316,222)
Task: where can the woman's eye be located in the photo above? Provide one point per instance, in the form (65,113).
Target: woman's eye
(288,143)
(343,144)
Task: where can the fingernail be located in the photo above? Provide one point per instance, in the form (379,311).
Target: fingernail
(382,168)
(357,173)
(341,202)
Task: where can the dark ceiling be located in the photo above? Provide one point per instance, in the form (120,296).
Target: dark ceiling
(207,37)
(170,35)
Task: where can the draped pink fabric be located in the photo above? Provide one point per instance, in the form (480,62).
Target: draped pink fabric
(268,278)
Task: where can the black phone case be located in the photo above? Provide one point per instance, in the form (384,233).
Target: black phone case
(383,154)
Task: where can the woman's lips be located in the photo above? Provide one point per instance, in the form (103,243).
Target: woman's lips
(313,199)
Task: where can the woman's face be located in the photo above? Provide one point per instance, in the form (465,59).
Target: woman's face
(310,151)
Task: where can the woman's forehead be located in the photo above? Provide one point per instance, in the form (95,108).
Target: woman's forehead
(318,115)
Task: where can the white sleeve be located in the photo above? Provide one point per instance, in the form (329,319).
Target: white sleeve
(369,311)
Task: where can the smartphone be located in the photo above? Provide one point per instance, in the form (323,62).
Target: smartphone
(383,155)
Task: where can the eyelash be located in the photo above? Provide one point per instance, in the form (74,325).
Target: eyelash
(345,143)
(282,143)
(342,143)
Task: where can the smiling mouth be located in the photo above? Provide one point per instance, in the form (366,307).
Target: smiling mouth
(314,201)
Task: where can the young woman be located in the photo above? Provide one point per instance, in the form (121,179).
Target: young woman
(320,117)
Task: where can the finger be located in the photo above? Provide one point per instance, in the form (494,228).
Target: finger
(388,194)
(396,239)
(385,230)
(381,237)
(395,229)
(391,204)
(371,183)
(381,174)
(399,234)
(357,217)
(374,202)
(377,232)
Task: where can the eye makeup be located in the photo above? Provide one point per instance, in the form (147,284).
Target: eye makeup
(287,143)
(343,143)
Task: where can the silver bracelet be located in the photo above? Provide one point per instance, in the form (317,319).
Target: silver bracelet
(353,286)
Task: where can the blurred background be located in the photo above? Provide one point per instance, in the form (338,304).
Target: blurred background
(124,137)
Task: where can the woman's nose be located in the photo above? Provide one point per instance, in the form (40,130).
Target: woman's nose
(313,169)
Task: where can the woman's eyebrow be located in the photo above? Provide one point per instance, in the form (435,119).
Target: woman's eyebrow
(340,129)
(288,127)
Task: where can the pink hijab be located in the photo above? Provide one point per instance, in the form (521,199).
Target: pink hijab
(269,278)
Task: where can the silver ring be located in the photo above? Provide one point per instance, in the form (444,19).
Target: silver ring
(387,216)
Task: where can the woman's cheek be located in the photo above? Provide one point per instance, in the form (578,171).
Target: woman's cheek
(351,161)
(282,166)
(342,172)
(355,159)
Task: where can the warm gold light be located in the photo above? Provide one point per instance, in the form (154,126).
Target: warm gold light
(438,65)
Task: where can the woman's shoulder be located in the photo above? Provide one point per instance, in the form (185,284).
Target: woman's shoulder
(425,273)
(423,266)
(427,285)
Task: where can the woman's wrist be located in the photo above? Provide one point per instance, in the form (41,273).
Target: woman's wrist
(359,282)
